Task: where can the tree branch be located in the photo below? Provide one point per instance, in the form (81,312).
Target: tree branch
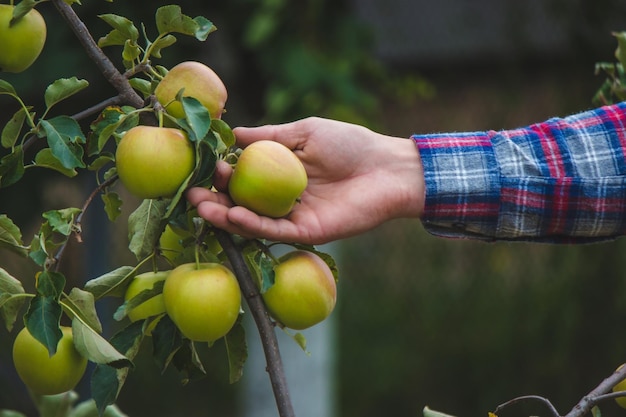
(113,76)
(598,393)
(264,325)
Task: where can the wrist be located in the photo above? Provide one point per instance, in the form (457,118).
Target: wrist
(409,179)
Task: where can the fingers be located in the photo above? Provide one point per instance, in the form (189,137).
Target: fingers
(197,195)
(223,171)
(291,134)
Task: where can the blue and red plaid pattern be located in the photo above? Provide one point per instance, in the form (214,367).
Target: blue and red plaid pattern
(563,180)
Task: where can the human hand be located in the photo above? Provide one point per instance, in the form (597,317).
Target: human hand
(357,180)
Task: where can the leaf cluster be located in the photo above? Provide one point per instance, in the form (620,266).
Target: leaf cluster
(614,86)
(35,138)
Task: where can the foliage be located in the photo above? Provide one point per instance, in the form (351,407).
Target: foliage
(35,138)
(614,86)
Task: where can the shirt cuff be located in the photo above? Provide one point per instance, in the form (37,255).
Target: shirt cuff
(462,185)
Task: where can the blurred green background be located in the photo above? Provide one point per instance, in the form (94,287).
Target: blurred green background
(459,326)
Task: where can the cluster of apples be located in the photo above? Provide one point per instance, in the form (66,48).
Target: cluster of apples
(203,300)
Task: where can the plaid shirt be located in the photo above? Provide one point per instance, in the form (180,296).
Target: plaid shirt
(563,180)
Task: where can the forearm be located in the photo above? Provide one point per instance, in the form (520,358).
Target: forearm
(559,181)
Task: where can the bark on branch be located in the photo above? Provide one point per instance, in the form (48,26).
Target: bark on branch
(263,322)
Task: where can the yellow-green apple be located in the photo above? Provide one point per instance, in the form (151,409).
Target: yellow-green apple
(199,82)
(45,374)
(151,307)
(203,300)
(268,179)
(20,42)
(154,162)
(304,292)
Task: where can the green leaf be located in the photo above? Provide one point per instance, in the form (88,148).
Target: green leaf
(64,136)
(21,9)
(131,50)
(112,205)
(11,131)
(11,236)
(62,221)
(162,43)
(43,320)
(145,225)
(45,159)
(171,19)
(95,347)
(50,284)
(237,351)
(113,38)
(300,340)
(7,88)
(11,300)
(166,341)
(432,413)
(620,52)
(63,88)
(12,167)
(106,384)
(261,265)
(197,116)
(206,160)
(205,27)
(141,85)
(83,304)
(106,381)
(112,120)
(103,159)
(125,27)
(112,283)
(225,133)
(187,361)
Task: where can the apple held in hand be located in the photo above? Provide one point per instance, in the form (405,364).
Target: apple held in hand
(268,179)
(203,300)
(304,291)
(199,82)
(45,374)
(153,162)
(22,42)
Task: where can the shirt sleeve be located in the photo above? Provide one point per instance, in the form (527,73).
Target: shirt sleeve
(563,180)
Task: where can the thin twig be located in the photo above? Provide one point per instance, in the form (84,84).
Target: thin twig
(263,322)
(77,221)
(97,108)
(547,403)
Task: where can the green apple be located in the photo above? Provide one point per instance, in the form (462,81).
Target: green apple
(45,374)
(22,42)
(203,300)
(268,179)
(152,306)
(153,162)
(304,292)
(199,82)
(170,243)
